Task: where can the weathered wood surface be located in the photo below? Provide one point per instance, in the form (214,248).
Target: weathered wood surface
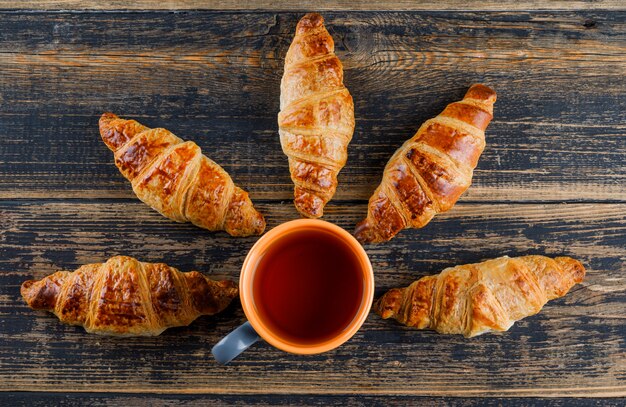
(107,399)
(575,346)
(213,78)
(327,5)
(551,181)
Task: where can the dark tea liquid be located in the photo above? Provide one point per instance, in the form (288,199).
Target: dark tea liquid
(308,286)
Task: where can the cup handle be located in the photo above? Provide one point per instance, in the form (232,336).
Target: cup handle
(230,346)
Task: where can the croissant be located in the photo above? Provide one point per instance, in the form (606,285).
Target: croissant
(174,178)
(126,297)
(476,298)
(316,118)
(428,174)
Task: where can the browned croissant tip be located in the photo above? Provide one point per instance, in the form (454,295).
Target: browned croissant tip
(389,304)
(257,225)
(210,296)
(243,219)
(113,135)
(231,288)
(26,288)
(105,121)
(365,233)
(572,267)
(41,294)
(481,92)
(108,116)
(308,203)
(309,22)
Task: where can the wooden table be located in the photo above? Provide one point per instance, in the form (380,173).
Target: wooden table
(551,181)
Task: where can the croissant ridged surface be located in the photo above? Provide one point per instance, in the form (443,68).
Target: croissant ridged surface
(316,118)
(177,180)
(126,297)
(476,298)
(428,174)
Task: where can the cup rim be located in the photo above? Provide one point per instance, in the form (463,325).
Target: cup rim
(245,284)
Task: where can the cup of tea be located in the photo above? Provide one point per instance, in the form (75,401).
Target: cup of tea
(306,287)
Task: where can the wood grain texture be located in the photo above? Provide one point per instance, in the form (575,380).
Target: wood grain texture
(574,347)
(214,78)
(282,5)
(36,399)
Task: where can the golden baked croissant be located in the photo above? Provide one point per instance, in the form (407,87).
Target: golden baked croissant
(428,174)
(476,298)
(174,178)
(316,118)
(126,297)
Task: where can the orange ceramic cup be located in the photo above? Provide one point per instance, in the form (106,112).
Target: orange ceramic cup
(256,328)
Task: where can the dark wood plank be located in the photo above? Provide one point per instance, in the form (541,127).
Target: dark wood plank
(36,399)
(574,347)
(214,78)
(314,5)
